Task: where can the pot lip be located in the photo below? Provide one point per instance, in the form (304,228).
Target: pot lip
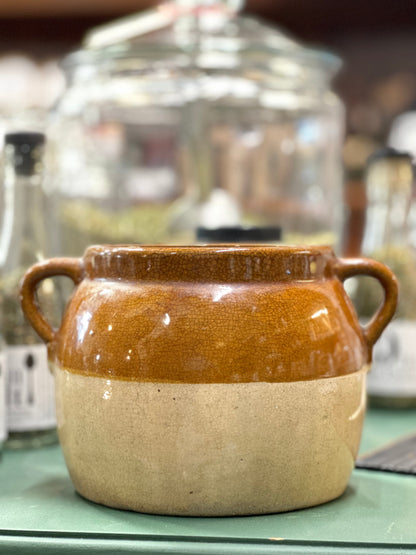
(217,263)
(207,249)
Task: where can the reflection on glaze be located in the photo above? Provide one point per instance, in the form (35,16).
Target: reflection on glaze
(359,411)
(220,291)
(108,390)
(320,312)
(83,321)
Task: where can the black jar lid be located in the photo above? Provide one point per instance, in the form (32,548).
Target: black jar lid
(239,234)
(27,150)
(388,153)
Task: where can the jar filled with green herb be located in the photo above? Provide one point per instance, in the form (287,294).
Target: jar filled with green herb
(24,239)
(390,237)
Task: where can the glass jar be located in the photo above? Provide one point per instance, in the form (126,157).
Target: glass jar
(193,115)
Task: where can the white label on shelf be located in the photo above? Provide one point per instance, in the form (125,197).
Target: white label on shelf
(3,429)
(393,371)
(30,398)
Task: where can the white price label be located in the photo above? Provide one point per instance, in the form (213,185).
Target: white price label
(3,428)
(393,372)
(30,395)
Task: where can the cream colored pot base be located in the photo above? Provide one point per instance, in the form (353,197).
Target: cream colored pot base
(210,449)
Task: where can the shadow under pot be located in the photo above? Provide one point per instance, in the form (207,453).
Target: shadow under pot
(209,380)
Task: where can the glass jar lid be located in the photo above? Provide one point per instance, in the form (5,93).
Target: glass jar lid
(207,35)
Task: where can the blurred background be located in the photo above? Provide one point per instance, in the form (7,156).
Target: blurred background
(376,42)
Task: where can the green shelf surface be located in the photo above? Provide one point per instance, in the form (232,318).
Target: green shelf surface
(41,513)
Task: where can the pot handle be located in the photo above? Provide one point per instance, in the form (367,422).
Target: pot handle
(70,267)
(350,267)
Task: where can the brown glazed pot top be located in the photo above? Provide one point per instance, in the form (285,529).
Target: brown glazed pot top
(209,314)
(210,264)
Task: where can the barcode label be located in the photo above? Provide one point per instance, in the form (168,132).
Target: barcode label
(29,389)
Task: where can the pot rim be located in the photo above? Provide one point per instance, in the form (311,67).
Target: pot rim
(225,262)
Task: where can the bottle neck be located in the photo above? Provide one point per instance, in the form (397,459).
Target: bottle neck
(23,231)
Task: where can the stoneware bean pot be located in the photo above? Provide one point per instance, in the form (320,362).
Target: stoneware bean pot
(209,380)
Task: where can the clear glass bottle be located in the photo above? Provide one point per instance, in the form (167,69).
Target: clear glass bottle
(390,237)
(24,240)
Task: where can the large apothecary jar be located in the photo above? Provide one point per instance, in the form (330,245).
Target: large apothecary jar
(194,115)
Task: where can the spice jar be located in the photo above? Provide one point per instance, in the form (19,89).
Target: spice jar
(179,111)
(390,238)
(23,241)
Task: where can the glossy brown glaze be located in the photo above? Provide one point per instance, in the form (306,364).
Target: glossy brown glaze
(213,314)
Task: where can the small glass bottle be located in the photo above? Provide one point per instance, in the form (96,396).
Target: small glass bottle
(23,241)
(388,237)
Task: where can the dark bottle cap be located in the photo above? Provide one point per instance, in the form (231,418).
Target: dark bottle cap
(27,150)
(237,234)
(388,153)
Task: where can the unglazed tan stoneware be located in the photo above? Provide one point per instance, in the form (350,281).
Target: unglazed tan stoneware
(209,380)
